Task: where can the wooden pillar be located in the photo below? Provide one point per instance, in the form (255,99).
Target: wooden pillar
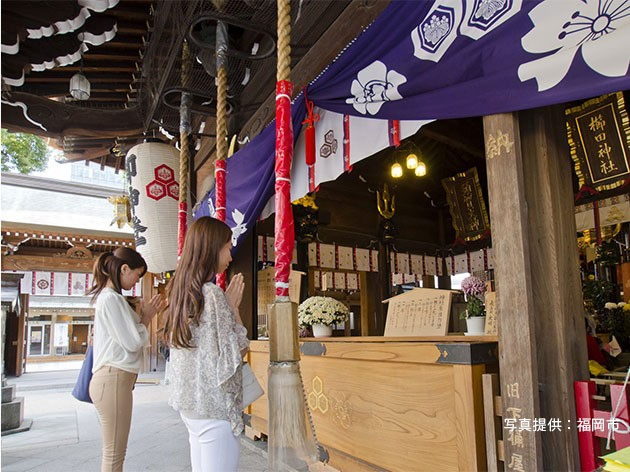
(21,335)
(513,275)
(148,290)
(302,266)
(372,308)
(444,280)
(557,289)
(253,290)
(385,277)
(244,264)
(541,333)
(625,280)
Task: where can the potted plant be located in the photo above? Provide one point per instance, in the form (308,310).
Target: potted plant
(321,313)
(598,298)
(474,289)
(614,320)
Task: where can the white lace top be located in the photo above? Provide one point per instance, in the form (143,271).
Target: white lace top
(207,379)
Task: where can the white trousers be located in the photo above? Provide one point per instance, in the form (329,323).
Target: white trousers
(213,446)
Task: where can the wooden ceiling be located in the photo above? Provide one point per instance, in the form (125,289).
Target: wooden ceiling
(112,68)
(133,74)
(99,128)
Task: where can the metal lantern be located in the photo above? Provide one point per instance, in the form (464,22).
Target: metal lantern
(421,169)
(79,86)
(396,170)
(412,161)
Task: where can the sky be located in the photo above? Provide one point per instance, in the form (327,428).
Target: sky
(55,170)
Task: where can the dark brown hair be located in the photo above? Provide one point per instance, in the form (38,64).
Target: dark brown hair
(197,265)
(107,267)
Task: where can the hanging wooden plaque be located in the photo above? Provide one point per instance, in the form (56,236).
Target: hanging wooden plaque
(466,205)
(599,138)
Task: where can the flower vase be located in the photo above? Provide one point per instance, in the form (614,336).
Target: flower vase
(476,325)
(322,331)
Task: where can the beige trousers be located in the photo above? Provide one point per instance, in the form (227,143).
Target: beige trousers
(111,391)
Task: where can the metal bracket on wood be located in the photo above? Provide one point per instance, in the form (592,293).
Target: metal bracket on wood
(313,349)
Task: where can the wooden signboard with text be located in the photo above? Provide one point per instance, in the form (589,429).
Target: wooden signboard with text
(491,314)
(267,291)
(419,312)
(599,140)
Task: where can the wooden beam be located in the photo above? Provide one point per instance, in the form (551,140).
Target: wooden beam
(57,77)
(86,154)
(132,28)
(87,57)
(555,279)
(122,99)
(63,264)
(100,68)
(515,297)
(141,13)
(541,328)
(61,119)
(61,89)
(493,423)
(129,42)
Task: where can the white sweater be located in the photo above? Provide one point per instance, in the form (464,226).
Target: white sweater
(119,336)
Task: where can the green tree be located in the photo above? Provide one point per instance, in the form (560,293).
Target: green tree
(23,152)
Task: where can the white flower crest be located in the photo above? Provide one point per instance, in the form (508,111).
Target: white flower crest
(488,8)
(240,227)
(439,29)
(374,86)
(600,29)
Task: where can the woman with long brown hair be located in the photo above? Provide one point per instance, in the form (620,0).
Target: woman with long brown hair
(207,344)
(120,336)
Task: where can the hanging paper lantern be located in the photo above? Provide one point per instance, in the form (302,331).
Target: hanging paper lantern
(153,179)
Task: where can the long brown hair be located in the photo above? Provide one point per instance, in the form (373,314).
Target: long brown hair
(197,265)
(107,267)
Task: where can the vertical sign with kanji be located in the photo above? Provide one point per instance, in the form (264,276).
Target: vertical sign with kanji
(599,138)
(466,205)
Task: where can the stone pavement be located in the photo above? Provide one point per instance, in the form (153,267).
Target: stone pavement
(65,433)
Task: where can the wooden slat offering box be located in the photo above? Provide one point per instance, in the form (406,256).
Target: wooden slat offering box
(385,403)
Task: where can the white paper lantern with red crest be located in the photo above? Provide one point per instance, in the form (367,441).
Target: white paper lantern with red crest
(153,180)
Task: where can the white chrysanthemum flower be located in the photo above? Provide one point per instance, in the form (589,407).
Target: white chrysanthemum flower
(321,310)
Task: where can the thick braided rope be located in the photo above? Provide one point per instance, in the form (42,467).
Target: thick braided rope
(284,38)
(221,113)
(184,152)
(184,126)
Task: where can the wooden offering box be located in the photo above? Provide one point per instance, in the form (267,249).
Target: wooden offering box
(399,404)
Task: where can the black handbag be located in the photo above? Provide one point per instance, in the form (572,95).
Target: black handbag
(81,390)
